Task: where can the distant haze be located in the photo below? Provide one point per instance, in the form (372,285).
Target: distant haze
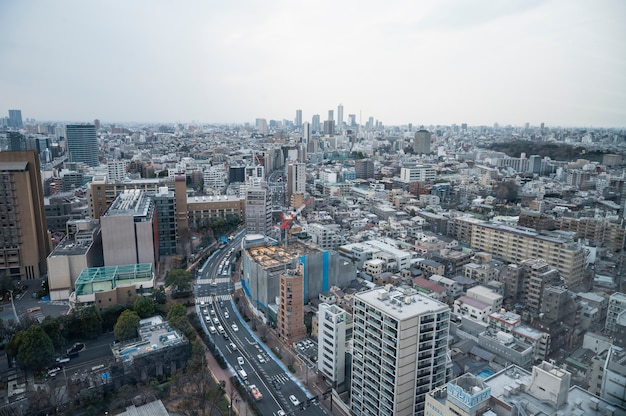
(560,62)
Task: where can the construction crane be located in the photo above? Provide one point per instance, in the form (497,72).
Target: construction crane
(287,219)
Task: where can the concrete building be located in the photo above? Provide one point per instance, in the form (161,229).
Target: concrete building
(418,174)
(331,343)
(399,351)
(421,142)
(24,240)
(296,180)
(514,391)
(258,210)
(364,168)
(201,209)
(108,286)
(130,230)
(80,249)
(324,236)
(359,253)
(116,170)
(516,245)
(167,226)
(617,304)
(290,324)
(263,264)
(614,377)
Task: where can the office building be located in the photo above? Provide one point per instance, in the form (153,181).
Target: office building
(81,248)
(129,230)
(331,343)
(15,119)
(613,387)
(202,209)
(421,142)
(17,141)
(400,340)
(258,210)
(82,143)
(315,123)
(329,127)
(423,173)
(306,133)
(340,117)
(291,326)
(167,226)
(298,121)
(24,239)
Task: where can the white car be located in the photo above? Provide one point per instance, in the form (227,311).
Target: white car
(281,413)
(235,327)
(232,346)
(226,315)
(216,321)
(240,360)
(294,400)
(260,358)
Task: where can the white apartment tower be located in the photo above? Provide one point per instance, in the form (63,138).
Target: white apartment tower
(399,351)
(331,345)
(116,170)
(258,210)
(296,179)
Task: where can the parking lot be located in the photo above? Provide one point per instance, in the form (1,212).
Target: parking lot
(306,350)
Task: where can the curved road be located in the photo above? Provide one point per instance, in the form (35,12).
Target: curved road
(215,306)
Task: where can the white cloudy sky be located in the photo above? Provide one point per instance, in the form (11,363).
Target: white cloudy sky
(561,62)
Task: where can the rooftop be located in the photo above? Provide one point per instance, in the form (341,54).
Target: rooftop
(154,334)
(132,202)
(401,303)
(99,279)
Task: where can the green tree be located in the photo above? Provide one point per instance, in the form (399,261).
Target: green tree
(36,349)
(179,278)
(177,310)
(13,346)
(159,295)
(143,306)
(126,326)
(52,328)
(90,321)
(110,316)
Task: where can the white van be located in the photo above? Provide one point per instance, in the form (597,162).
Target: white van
(243,374)
(212,330)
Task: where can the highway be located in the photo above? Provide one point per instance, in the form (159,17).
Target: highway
(216,308)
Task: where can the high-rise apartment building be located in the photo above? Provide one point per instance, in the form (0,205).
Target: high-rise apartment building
(331,115)
(116,170)
(82,143)
(331,343)
(24,240)
(421,142)
(291,326)
(364,168)
(258,210)
(129,230)
(15,119)
(399,351)
(296,179)
(329,127)
(306,133)
(617,304)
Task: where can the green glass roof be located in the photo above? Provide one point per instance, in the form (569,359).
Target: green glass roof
(99,279)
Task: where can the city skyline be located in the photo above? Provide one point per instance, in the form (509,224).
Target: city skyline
(432,62)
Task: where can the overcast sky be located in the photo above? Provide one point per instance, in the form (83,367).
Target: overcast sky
(421,62)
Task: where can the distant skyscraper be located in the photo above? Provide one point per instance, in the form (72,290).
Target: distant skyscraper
(329,127)
(306,133)
(352,118)
(96,123)
(15,119)
(400,348)
(421,142)
(315,123)
(340,117)
(261,126)
(331,115)
(17,141)
(24,240)
(298,118)
(82,143)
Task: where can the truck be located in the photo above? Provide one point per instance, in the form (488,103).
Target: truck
(255,392)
